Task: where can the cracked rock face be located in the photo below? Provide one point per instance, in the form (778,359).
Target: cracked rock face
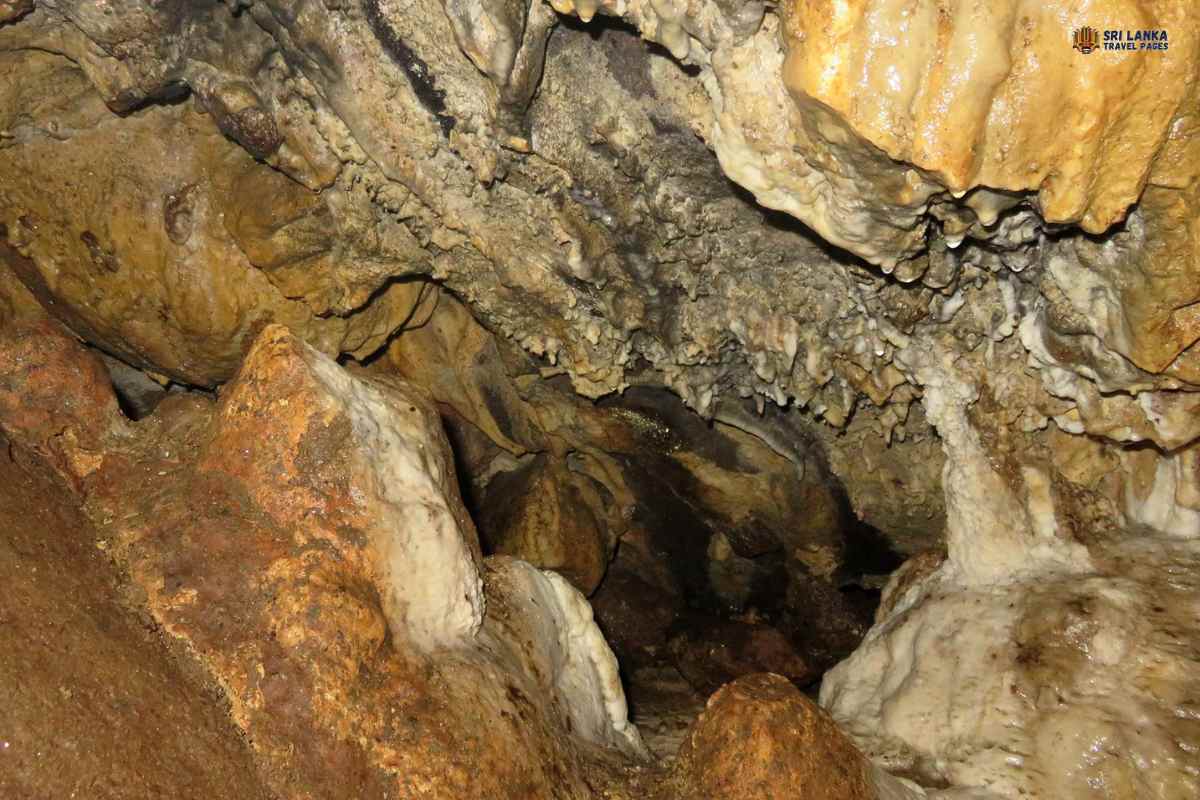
(723,307)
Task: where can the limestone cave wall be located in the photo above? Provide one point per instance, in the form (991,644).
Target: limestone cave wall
(476,398)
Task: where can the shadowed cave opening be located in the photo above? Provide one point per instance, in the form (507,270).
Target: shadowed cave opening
(701,585)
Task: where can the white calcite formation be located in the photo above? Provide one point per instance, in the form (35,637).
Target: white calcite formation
(1029,664)
(428,571)
(869,120)
(595,228)
(427,565)
(552,635)
(1053,686)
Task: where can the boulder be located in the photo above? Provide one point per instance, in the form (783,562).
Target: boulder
(712,652)
(759,738)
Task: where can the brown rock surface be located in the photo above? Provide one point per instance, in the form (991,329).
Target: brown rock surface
(541,512)
(760,739)
(95,704)
(151,259)
(634,613)
(264,540)
(56,398)
(636,465)
(354,455)
(711,652)
(11,10)
(967,103)
(16,301)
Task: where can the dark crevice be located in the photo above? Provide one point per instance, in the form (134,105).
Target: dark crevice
(603,24)
(782,221)
(170,94)
(419,314)
(137,393)
(415,68)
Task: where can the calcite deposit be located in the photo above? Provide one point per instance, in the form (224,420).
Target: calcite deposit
(1064,685)
(1061,624)
(405,359)
(338,601)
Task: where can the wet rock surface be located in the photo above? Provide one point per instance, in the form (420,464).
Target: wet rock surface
(1068,662)
(423,321)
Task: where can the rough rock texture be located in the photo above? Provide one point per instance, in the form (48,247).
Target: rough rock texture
(137,392)
(296,570)
(94,704)
(711,653)
(740,478)
(68,429)
(760,739)
(974,275)
(540,512)
(375,455)
(635,612)
(1048,656)
(966,104)
(870,119)
(1062,687)
(152,258)
(852,141)
(557,234)
(594,228)
(725,518)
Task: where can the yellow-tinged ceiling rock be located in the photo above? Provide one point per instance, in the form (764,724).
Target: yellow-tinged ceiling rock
(993,94)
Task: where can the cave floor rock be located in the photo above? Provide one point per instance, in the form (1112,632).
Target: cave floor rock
(663,705)
(95,702)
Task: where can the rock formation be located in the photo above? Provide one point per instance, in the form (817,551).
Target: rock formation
(402,356)
(305,542)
